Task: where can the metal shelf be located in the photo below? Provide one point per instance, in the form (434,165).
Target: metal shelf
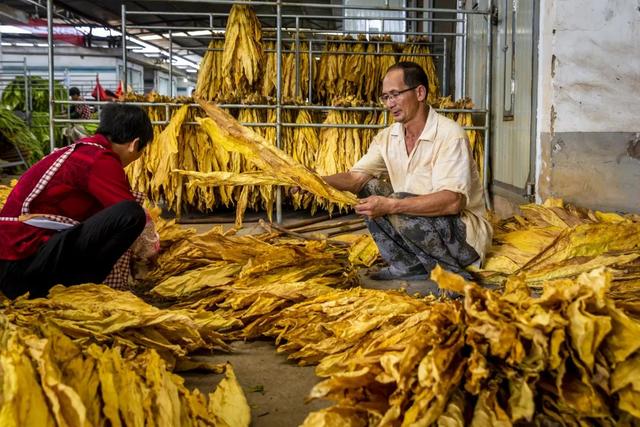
(458,16)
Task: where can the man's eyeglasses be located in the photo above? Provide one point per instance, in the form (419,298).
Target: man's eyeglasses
(391,96)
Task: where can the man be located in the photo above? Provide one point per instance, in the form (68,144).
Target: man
(78,111)
(72,215)
(431,209)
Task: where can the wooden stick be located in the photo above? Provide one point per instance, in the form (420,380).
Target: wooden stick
(326,226)
(310,221)
(345,230)
(271,227)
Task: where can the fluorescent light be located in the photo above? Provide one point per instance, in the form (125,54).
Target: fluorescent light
(191,70)
(43,44)
(12,29)
(99,32)
(6,44)
(200,33)
(150,37)
(24,44)
(180,34)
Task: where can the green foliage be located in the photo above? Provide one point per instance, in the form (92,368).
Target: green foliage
(14,130)
(14,98)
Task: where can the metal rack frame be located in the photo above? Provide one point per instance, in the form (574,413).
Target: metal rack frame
(278,30)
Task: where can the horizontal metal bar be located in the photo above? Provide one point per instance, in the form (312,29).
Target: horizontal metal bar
(323,40)
(332,125)
(386,8)
(256,124)
(292,16)
(336,6)
(11,164)
(231,2)
(302,30)
(269,106)
(337,52)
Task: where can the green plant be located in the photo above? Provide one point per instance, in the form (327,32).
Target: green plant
(14,130)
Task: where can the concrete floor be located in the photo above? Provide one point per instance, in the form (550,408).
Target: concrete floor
(275,387)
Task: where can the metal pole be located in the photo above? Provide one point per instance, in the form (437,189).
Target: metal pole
(298,90)
(279,102)
(445,89)
(487,119)
(27,110)
(170,63)
(464,56)
(311,77)
(123,30)
(52,142)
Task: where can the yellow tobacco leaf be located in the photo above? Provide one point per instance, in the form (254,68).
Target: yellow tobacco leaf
(225,130)
(228,402)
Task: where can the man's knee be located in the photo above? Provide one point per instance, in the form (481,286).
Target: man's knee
(131,213)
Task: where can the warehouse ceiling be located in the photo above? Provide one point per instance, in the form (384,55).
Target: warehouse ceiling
(186,17)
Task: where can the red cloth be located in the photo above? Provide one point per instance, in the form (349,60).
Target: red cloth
(98,91)
(119,91)
(90,180)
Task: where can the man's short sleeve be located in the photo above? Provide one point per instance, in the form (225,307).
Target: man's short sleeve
(452,167)
(372,163)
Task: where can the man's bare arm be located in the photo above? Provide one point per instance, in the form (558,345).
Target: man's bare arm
(441,203)
(348,181)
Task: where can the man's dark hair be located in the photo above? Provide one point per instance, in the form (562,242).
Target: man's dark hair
(122,123)
(413,74)
(74,91)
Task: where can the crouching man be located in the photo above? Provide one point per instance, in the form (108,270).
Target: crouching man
(73,215)
(429,208)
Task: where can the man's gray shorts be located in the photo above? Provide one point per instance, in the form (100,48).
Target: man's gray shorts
(414,245)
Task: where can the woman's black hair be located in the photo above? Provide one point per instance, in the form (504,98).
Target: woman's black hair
(122,123)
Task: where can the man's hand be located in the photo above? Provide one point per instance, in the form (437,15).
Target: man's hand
(375,206)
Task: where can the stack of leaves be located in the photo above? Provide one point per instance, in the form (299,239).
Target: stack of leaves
(14,130)
(99,314)
(252,277)
(201,263)
(243,55)
(295,79)
(384,45)
(226,131)
(417,50)
(46,379)
(210,75)
(569,356)
(554,240)
(14,94)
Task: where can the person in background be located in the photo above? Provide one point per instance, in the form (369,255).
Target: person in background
(420,189)
(72,215)
(78,111)
(110,95)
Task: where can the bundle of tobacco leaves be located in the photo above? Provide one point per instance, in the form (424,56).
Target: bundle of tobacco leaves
(98,314)
(557,240)
(46,379)
(223,129)
(568,357)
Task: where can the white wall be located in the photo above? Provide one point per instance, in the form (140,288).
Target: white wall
(589,102)
(596,87)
